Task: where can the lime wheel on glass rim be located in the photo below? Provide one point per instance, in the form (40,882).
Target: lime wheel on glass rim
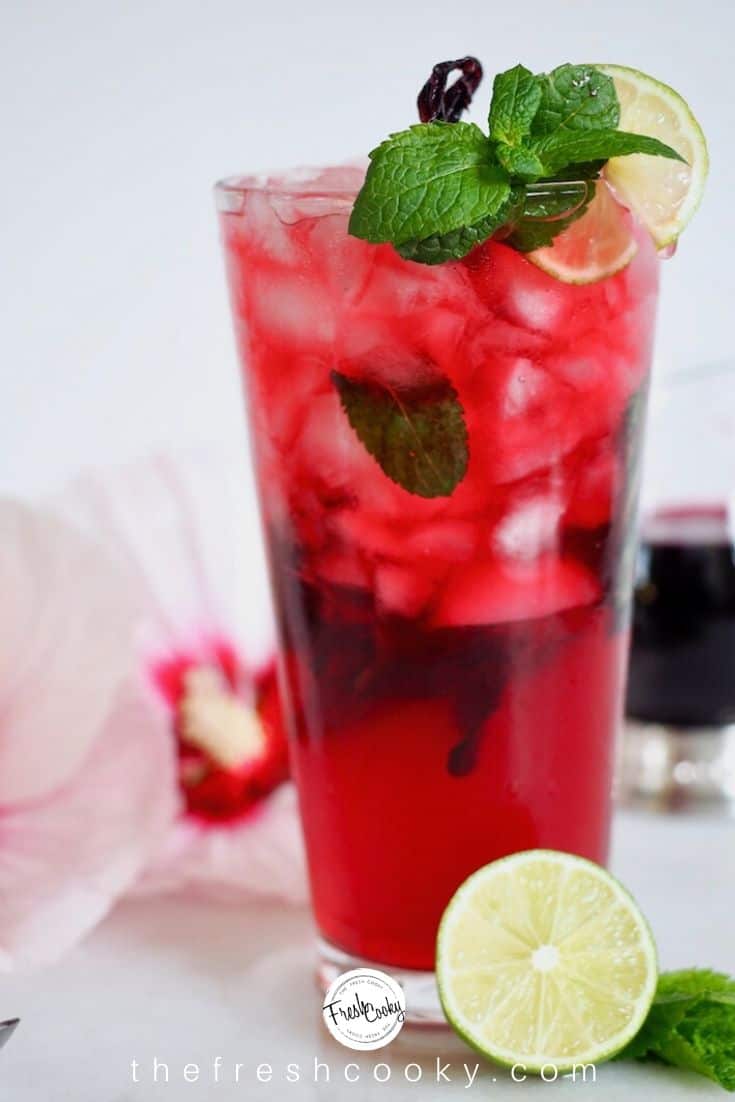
(662,194)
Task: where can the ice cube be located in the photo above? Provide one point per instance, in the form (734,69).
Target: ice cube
(537,308)
(530,529)
(402,590)
(298,397)
(525,386)
(511,286)
(260,227)
(342,568)
(500,336)
(316,192)
(595,483)
(496,591)
(602,374)
(362,341)
(452,540)
(526,419)
(512,419)
(344,262)
(440,334)
(357,527)
(291,307)
(580,367)
(396,287)
(327,452)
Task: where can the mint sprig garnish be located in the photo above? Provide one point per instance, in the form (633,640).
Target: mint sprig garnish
(438,189)
(417,435)
(434,177)
(691,1025)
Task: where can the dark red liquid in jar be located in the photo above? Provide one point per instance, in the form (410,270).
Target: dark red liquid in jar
(452,668)
(682,665)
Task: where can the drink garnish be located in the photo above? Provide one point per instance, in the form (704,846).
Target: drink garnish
(441,187)
(437,103)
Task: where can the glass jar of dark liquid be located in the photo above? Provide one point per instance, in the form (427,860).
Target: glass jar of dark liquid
(679,745)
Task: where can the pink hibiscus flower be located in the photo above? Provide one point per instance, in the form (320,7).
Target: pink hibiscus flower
(183,536)
(86,772)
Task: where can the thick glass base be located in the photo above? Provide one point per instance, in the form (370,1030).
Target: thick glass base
(677,769)
(422,1000)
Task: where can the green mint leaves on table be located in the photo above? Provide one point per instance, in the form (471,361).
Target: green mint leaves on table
(438,189)
(417,435)
(691,1025)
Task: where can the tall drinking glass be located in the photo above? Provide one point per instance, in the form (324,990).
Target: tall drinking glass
(452,666)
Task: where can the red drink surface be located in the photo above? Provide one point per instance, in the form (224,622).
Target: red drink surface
(452,667)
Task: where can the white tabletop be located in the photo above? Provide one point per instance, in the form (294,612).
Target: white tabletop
(187,982)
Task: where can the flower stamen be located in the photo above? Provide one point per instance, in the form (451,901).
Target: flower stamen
(213,720)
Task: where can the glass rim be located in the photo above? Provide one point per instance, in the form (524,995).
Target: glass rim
(299,183)
(295,183)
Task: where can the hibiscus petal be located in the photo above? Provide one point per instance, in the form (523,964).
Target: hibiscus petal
(263,855)
(66,859)
(185,526)
(64,649)
(184,529)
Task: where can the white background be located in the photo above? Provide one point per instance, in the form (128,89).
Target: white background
(117,117)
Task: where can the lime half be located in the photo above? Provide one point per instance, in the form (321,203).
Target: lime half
(663,194)
(543,959)
(594,247)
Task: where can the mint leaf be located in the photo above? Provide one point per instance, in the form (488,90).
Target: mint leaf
(417,435)
(548,213)
(430,179)
(694,982)
(457,243)
(449,246)
(691,1025)
(516,98)
(566,148)
(521,161)
(576,97)
(709,1034)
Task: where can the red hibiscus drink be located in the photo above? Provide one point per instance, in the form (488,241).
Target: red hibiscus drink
(447,460)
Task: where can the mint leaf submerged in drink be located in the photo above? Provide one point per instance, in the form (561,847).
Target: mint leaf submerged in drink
(438,189)
(417,434)
(691,1025)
